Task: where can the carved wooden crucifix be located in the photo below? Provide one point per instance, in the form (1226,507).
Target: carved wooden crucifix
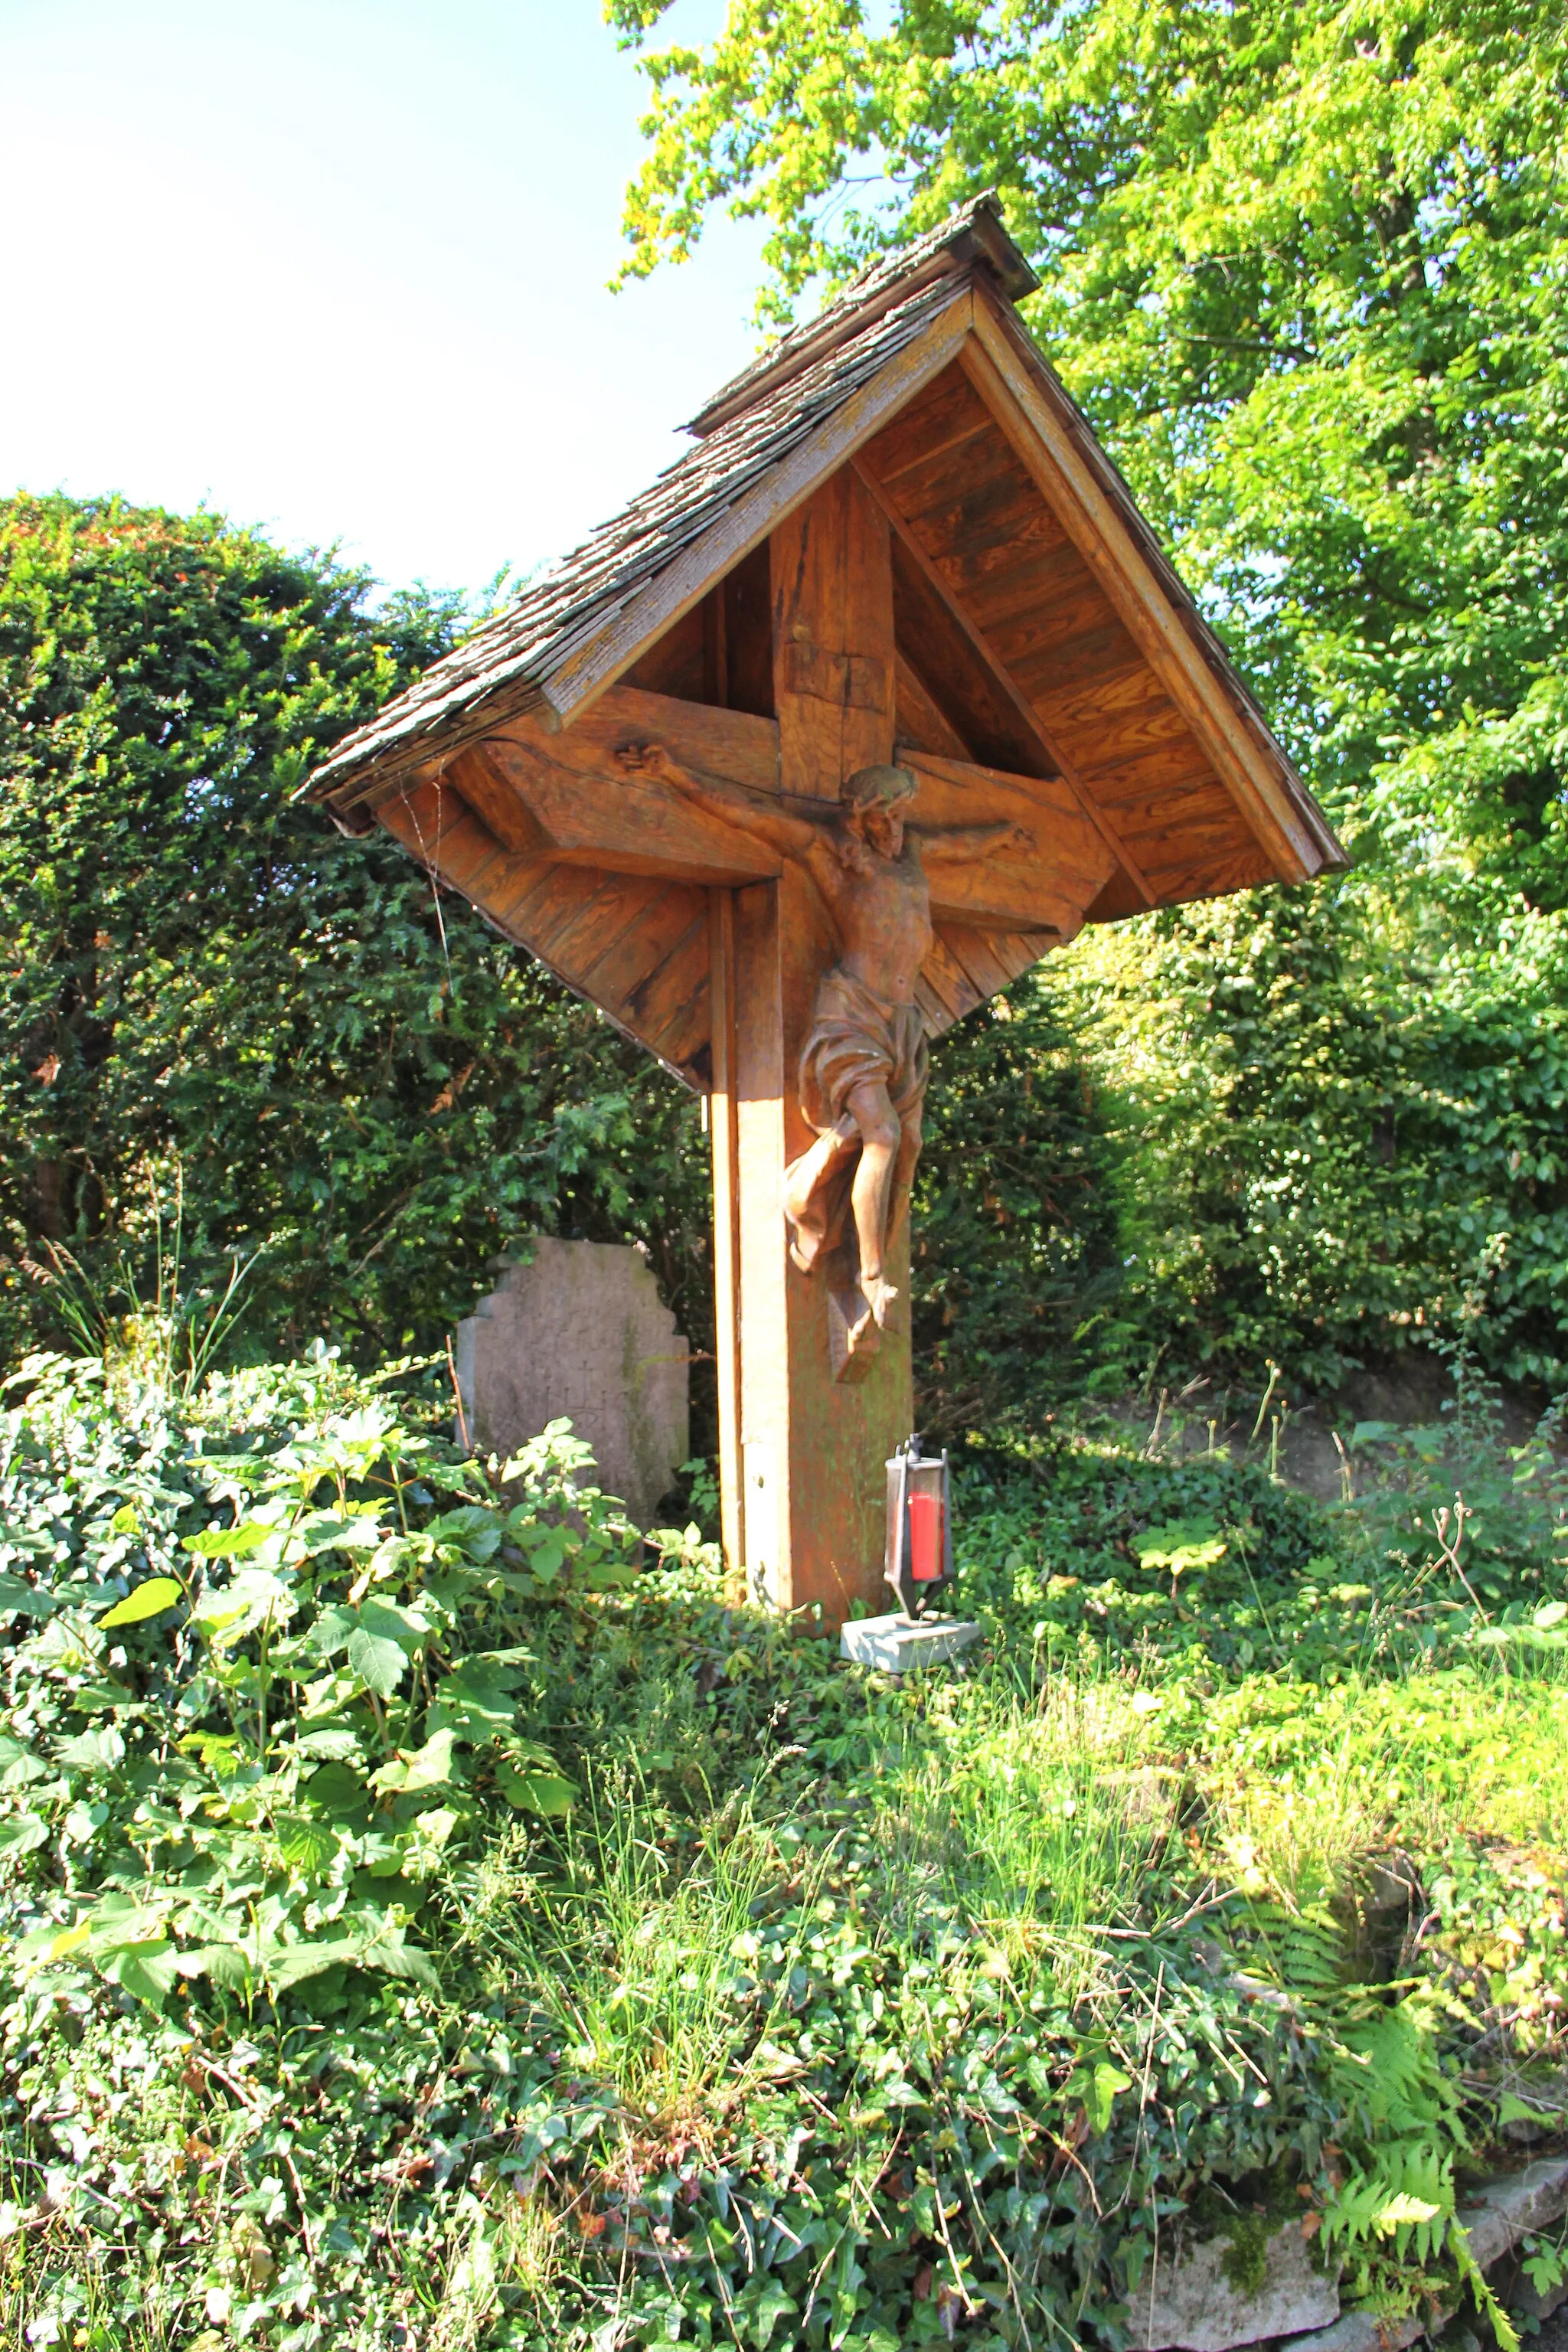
(867,705)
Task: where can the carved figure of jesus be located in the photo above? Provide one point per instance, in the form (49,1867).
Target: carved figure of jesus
(863,1064)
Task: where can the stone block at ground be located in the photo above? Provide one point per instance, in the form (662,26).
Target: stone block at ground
(897,1643)
(1207,2299)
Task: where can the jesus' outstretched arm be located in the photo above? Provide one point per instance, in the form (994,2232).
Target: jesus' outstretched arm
(793,836)
(961,844)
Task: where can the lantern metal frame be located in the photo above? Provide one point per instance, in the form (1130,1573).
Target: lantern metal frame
(916,1597)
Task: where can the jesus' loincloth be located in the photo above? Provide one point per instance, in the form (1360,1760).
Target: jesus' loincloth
(856,1040)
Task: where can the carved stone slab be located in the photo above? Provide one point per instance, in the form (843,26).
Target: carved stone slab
(580,1334)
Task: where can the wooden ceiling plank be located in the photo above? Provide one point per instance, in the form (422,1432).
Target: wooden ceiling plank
(1045,574)
(671,1000)
(446,836)
(510,904)
(964,493)
(1155,726)
(1095,655)
(961,684)
(1026,711)
(1045,441)
(949,982)
(584,908)
(975,956)
(616,968)
(1199,801)
(1029,624)
(1019,952)
(1169,768)
(1193,879)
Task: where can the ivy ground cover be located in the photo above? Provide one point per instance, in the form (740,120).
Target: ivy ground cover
(432,1918)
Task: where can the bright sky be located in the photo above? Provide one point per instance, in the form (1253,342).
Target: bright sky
(338,268)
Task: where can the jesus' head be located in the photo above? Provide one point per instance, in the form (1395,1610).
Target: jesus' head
(873,801)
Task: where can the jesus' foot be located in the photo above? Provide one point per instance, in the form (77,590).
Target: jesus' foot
(879,1297)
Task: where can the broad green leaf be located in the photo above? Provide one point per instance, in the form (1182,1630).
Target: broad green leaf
(22,1833)
(306,1843)
(290,1964)
(93,1751)
(19,1599)
(538,1792)
(229,1543)
(339,1747)
(149,1599)
(378,1661)
(1100,2093)
(337,1790)
(148,1969)
(427,1768)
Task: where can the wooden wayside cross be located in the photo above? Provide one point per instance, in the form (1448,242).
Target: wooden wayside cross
(867,706)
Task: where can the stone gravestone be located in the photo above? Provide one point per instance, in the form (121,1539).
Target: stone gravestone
(580,1334)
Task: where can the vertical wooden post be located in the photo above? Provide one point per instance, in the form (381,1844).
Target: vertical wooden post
(726,1225)
(806,1471)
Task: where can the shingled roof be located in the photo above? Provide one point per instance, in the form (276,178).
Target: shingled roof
(747,430)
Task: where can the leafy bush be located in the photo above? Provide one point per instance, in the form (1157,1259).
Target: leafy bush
(210,998)
(271,1670)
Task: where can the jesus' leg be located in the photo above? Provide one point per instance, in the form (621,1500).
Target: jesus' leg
(903,1174)
(880,1139)
(805,1196)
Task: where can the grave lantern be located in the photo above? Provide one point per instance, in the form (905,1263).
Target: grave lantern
(919,1526)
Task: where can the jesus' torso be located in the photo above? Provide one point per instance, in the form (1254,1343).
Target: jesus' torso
(883,916)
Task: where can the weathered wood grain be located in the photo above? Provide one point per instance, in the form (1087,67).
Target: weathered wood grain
(627,824)
(959,679)
(476,776)
(726,1229)
(673,664)
(832,637)
(1168,768)
(945,416)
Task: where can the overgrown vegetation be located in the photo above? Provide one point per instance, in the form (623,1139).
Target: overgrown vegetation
(425,1928)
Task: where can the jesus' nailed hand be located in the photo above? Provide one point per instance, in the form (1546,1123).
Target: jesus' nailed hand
(863,1067)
